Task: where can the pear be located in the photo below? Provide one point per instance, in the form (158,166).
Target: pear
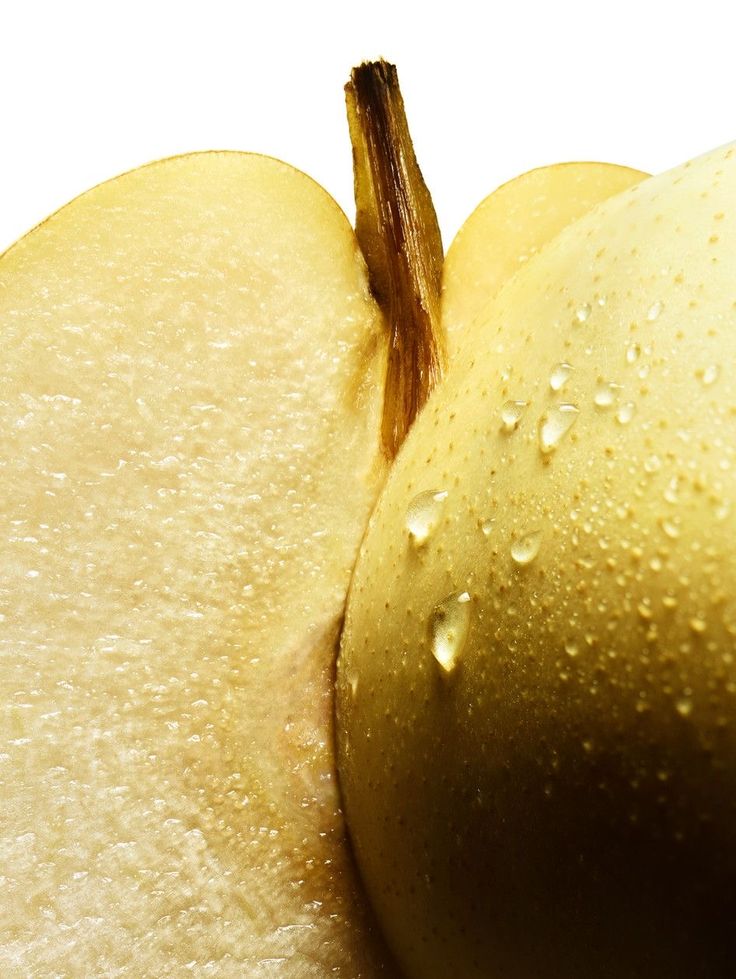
(192,386)
(511,225)
(536,686)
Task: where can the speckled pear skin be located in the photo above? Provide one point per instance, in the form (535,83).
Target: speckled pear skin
(562,802)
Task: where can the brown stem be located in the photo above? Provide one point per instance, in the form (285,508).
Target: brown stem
(399,235)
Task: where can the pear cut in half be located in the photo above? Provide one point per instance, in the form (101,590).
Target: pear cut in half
(511,226)
(190,403)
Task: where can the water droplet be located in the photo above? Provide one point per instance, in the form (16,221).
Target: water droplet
(526,548)
(571,648)
(698,624)
(511,413)
(633,352)
(625,413)
(450,625)
(487,527)
(684,707)
(654,310)
(605,394)
(559,375)
(582,313)
(652,464)
(423,514)
(555,424)
(710,374)
(353,683)
(670,528)
(673,487)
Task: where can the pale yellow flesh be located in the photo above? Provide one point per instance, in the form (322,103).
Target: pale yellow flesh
(511,225)
(190,394)
(560,804)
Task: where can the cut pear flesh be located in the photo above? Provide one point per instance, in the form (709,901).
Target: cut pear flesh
(511,225)
(541,627)
(190,399)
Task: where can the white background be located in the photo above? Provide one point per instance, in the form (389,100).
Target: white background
(492,89)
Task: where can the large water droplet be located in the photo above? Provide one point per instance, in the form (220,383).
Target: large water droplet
(450,626)
(654,310)
(423,514)
(526,548)
(511,413)
(559,375)
(555,424)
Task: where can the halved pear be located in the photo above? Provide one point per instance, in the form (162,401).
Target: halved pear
(191,394)
(511,225)
(537,685)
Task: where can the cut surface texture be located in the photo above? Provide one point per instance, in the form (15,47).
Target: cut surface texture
(190,400)
(541,627)
(511,225)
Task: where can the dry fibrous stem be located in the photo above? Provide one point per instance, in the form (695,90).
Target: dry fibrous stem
(400,238)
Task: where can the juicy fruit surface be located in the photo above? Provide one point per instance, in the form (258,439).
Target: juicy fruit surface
(511,226)
(537,692)
(191,364)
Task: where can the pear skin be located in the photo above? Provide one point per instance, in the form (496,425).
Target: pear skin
(511,225)
(537,697)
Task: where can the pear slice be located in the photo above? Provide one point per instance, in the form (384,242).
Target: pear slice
(541,627)
(511,225)
(191,404)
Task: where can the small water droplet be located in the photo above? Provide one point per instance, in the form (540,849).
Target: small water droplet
(684,707)
(582,313)
(670,528)
(606,393)
(625,413)
(450,626)
(673,487)
(654,310)
(652,464)
(559,375)
(633,352)
(353,682)
(555,424)
(487,527)
(572,648)
(698,624)
(423,514)
(512,413)
(710,374)
(526,548)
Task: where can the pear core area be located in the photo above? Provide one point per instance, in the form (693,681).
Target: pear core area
(190,398)
(537,687)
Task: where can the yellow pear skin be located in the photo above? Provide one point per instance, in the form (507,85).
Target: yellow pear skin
(191,365)
(511,225)
(537,687)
